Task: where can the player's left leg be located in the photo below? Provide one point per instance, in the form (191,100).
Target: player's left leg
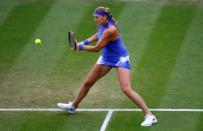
(125,84)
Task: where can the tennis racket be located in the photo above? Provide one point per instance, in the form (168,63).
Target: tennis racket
(72,40)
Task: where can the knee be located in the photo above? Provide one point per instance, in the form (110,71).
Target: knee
(87,84)
(127,90)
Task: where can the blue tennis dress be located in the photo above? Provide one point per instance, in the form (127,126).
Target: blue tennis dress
(114,53)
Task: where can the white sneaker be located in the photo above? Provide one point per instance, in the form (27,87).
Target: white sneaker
(149,120)
(68,107)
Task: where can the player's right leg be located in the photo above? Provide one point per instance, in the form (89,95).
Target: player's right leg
(95,74)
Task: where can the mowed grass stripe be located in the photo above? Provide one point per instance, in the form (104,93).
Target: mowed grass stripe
(185,85)
(199,125)
(28,77)
(17,29)
(136,23)
(187,73)
(73,67)
(162,49)
(5,8)
(200,39)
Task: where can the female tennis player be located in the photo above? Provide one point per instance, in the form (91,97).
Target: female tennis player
(114,55)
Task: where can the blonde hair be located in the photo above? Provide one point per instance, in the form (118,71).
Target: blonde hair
(108,11)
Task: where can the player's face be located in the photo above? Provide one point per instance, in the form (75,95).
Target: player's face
(100,19)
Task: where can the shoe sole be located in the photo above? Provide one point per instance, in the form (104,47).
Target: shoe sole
(69,111)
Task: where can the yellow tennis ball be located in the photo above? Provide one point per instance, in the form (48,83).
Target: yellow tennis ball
(38,42)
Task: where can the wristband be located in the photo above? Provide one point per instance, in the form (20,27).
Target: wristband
(85,42)
(80,47)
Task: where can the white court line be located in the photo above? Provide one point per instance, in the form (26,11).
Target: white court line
(106,120)
(97,110)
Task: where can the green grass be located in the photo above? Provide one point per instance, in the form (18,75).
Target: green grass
(131,121)
(46,121)
(87,121)
(165,45)
(162,48)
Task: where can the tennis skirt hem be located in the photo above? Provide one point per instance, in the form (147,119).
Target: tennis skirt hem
(123,62)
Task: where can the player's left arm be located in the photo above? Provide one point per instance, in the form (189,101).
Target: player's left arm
(92,38)
(106,37)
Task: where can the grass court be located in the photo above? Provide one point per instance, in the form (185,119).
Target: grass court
(164,39)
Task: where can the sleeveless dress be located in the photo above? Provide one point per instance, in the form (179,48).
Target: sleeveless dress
(114,53)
